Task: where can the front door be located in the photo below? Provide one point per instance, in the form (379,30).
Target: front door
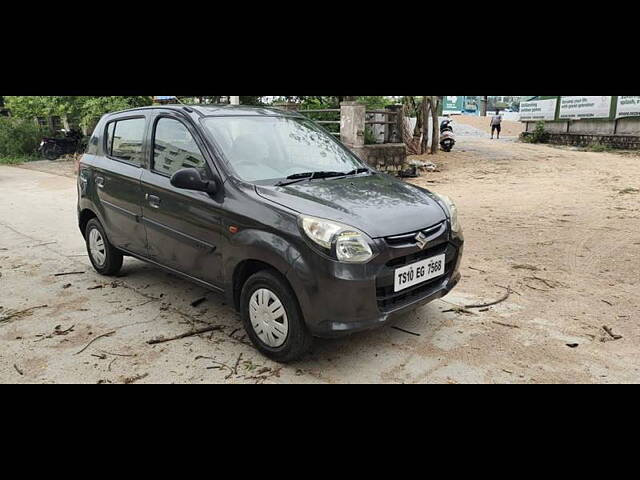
(184,227)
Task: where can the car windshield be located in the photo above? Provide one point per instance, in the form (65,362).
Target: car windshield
(269,148)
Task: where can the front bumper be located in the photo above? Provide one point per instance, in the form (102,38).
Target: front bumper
(338,299)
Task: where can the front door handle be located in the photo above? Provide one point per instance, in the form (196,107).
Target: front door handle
(100,182)
(153,200)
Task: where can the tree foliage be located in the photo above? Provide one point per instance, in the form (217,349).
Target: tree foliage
(333,101)
(18,137)
(81,109)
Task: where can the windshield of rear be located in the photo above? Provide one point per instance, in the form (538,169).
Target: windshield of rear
(266,149)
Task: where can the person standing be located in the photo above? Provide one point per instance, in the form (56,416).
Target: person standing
(496,122)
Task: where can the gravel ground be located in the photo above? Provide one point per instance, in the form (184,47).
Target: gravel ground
(559,227)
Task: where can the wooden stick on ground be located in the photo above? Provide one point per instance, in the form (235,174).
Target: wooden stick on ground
(615,336)
(510,325)
(488,304)
(99,336)
(459,309)
(477,269)
(210,328)
(221,364)
(19,312)
(405,331)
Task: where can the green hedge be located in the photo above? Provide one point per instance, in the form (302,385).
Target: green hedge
(18,138)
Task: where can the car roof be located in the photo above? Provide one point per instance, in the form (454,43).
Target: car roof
(218,110)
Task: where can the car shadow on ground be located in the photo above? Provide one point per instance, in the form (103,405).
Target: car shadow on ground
(406,331)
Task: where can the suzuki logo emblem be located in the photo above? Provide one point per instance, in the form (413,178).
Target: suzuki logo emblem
(421,240)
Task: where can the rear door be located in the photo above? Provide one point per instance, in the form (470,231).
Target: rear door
(117,181)
(184,227)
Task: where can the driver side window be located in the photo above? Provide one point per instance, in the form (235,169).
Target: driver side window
(174,148)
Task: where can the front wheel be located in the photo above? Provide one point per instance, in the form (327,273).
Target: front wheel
(272,317)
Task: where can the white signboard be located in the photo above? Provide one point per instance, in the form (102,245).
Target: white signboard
(628,107)
(538,110)
(585,107)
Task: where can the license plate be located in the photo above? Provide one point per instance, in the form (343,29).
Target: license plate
(418,272)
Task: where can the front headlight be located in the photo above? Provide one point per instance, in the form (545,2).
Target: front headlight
(453,212)
(346,243)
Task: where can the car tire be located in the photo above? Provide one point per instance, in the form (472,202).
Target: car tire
(258,299)
(105,258)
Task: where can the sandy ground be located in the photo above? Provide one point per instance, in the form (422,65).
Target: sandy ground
(509,128)
(552,224)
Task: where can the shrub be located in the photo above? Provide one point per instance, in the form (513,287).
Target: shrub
(539,135)
(597,147)
(18,138)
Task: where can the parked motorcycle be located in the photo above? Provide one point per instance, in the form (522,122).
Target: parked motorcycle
(53,147)
(447,138)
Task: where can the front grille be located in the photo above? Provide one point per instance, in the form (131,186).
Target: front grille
(410,238)
(414,257)
(388,300)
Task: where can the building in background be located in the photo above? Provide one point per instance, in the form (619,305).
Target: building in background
(460,105)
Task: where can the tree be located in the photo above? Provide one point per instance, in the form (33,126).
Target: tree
(435,128)
(81,109)
(483,106)
(422,108)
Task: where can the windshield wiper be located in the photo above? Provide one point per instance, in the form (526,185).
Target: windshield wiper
(298,177)
(360,170)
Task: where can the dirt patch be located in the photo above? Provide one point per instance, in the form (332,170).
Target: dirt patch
(60,167)
(549,224)
(509,127)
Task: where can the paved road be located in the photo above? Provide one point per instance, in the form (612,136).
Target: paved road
(39,238)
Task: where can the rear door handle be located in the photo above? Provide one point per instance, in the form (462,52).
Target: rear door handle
(100,182)
(153,200)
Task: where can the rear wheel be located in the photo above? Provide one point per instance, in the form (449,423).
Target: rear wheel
(105,258)
(51,151)
(272,317)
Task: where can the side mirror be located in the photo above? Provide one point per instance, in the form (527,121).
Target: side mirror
(190,179)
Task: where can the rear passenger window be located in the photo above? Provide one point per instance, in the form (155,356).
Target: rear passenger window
(174,148)
(124,140)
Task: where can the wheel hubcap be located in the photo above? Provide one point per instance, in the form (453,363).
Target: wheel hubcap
(268,317)
(97,247)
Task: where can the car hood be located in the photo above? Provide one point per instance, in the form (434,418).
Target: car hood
(379,205)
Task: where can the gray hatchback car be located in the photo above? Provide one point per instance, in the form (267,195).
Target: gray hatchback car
(267,208)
